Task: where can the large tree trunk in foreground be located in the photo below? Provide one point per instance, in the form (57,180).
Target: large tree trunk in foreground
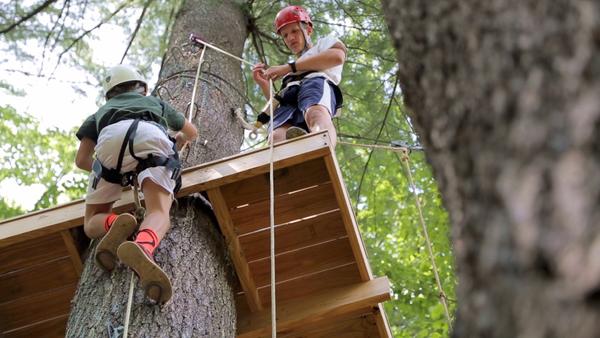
(193,253)
(505,96)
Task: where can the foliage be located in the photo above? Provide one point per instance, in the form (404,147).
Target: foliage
(376,179)
(30,156)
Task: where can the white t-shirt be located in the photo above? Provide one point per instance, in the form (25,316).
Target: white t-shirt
(333,74)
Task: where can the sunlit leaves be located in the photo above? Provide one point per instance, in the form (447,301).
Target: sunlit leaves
(30,156)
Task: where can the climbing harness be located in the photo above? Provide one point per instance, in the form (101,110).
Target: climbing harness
(125,179)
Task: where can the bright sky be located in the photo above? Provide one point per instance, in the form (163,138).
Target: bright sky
(55,102)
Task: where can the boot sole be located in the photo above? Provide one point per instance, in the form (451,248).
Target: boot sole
(106,250)
(155,282)
(294,132)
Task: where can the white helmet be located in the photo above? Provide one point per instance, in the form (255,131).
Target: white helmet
(121,74)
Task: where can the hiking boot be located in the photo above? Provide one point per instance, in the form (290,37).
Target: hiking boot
(293,132)
(106,250)
(155,282)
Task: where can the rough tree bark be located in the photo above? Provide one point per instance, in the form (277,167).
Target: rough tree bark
(193,253)
(505,95)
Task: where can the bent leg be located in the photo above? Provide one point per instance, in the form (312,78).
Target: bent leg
(95,216)
(279,132)
(158,204)
(318,119)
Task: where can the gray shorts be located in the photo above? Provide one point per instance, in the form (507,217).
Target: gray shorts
(149,139)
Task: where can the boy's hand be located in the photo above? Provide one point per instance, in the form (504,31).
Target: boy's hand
(180,140)
(277,72)
(258,74)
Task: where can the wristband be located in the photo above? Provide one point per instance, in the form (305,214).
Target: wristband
(293,66)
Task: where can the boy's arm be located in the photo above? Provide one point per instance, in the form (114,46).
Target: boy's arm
(85,154)
(331,57)
(187,133)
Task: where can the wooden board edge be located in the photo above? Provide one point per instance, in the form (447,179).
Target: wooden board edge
(237,255)
(329,303)
(347,213)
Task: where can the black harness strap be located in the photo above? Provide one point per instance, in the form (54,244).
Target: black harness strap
(125,179)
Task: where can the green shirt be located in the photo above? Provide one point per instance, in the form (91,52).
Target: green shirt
(131,105)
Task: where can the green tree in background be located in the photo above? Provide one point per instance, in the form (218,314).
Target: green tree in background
(33,157)
(373,114)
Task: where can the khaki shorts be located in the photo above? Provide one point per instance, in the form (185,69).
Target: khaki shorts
(149,139)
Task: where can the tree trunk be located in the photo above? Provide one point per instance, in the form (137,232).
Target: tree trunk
(505,96)
(193,252)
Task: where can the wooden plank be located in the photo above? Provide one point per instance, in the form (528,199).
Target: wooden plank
(288,207)
(245,165)
(39,307)
(308,260)
(236,253)
(32,252)
(291,236)
(49,221)
(381,322)
(73,252)
(296,314)
(343,201)
(38,278)
(195,179)
(285,180)
(309,284)
(51,328)
(362,326)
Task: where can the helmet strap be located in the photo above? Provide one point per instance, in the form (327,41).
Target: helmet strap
(307,40)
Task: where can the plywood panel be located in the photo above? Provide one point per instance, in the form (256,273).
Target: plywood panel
(305,261)
(355,327)
(343,200)
(37,278)
(329,304)
(52,328)
(309,284)
(288,207)
(235,251)
(294,235)
(26,311)
(28,253)
(285,180)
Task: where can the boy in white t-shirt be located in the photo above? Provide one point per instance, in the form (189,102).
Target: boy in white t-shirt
(310,95)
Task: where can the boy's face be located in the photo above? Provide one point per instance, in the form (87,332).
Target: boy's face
(293,37)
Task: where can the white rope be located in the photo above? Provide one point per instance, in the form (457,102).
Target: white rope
(140,213)
(373,146)
(200,41)
(272,216)
(192,105)
(129,301)
(193,101)
(442,295)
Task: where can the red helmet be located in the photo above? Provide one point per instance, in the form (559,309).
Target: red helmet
(291,14)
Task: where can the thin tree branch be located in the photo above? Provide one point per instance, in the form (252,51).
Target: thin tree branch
(362,177)
(137,28)
(102,22)
(28,16)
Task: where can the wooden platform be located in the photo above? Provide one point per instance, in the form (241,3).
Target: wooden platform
(323,281)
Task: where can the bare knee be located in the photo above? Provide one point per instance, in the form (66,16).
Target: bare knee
(279,132)
(93,222)
(316,112)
